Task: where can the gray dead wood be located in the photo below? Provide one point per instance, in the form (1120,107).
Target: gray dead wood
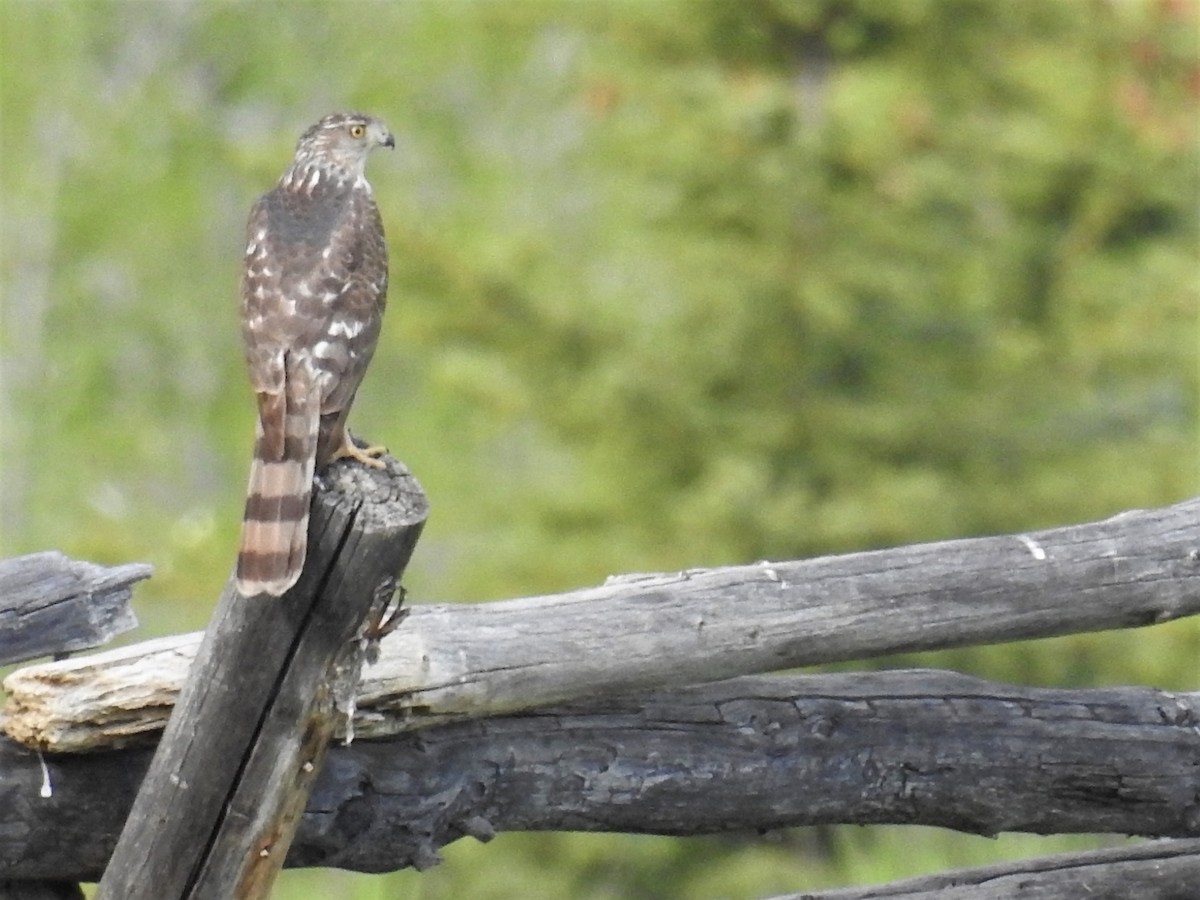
(51,604)
(1159,870)
(761,753)
(641,632)
(745,755)
(217,810)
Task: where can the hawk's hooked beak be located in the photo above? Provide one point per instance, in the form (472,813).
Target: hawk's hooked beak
(389,141)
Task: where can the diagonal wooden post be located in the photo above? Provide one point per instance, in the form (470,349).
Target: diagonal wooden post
(218,808)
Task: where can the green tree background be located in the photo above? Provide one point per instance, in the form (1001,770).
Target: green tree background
(673,284)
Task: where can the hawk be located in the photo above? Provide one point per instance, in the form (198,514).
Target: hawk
(314,287)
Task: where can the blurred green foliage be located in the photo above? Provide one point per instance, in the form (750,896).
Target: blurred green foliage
(673,284)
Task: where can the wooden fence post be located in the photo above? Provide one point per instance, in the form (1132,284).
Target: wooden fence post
(217,810)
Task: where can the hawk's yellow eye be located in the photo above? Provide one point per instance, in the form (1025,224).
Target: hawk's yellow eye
(357,131)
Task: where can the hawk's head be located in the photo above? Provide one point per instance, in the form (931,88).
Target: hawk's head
(338,144)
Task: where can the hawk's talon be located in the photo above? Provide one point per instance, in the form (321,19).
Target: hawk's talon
(368,456)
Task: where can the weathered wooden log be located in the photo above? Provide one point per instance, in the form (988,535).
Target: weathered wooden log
(218,808)
(52,604)
(915,747)
(40,890)
(1159,870)
(642,632)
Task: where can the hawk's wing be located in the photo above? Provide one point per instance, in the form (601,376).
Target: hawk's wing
(351,331)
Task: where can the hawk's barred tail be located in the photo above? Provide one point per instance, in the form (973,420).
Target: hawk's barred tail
(275,524)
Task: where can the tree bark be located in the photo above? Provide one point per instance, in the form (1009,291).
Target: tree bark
(52,604)
(217,810)
(912,747)
(642,632)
